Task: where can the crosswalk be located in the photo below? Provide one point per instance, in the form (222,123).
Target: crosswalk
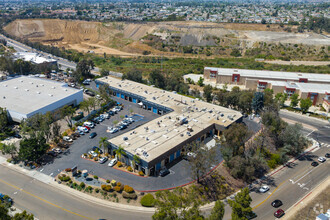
(325,145)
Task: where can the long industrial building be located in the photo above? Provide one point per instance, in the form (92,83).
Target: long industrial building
(182,120)
(25,96)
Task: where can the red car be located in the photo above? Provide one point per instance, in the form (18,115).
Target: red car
(279,213)
(88,128)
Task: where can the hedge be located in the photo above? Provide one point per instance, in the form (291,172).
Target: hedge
(128,189)
(148,200)
(130,169)
(129,195)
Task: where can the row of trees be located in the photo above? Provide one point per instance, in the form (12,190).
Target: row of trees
(171,82)
(4,214)
(7,64)
(182,203)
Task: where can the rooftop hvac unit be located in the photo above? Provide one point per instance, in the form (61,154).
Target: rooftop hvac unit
(38,92)
(16,87)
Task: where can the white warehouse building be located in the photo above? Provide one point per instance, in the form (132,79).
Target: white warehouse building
(25,96)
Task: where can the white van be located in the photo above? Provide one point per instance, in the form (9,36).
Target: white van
(83,129)
(89,124)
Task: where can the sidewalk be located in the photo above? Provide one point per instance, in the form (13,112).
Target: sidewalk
(51,181)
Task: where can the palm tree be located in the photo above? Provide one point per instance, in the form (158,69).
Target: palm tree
(136,160)
(120,152)
(104,143)
(84,105)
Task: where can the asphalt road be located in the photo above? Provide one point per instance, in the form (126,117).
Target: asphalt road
(47,202)
(63,63)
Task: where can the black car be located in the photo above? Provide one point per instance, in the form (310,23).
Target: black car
(314,164)
(251,215)
(92,135)
(327,155)
(164,172)
(277,203)
(111,113)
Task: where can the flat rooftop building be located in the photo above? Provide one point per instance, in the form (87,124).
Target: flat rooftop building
(182,120)
(25,96)
(34,58)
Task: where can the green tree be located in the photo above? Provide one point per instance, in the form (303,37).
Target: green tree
(208,89)
(177,204)
(67,113)
(120,152)
(305,104)
(136,160)
(200,82)
(8,149)
(258,102)
(32,149)
(85,105)
(244,101)
(3,119)
(293,139)
(104,143)
(105,93)
(218,211)
(294,100)
(203,159)
(23,216)
(241,205)
(158,79)
(134,75)
(104,72)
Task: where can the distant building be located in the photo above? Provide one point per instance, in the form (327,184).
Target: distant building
(307,85)
(26,96)
(34,58)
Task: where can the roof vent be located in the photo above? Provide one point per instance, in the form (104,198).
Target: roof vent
(38,92)
(16,87)
(26,90)
(51,95)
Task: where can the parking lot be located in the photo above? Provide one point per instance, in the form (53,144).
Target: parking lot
(72,156)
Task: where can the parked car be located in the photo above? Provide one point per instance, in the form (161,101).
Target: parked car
(321,159)
(103,160)
(94,154)
(83,129)
(97,149)
(89,124)
(164,172)
(327,155)
(112,162)
(52,153)
(251,215)
(113,130)
(279,213)
(314,164)
(276,203)
(81,132)
(67,138)
(88,128)
(92,135)
(6,199)
(57,150)
(111,113)
(96,120)
(122,127)
(264,189)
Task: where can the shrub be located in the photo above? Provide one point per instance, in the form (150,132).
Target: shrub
(118,183)
(113,182)
(129,195)
(65,133)
(148,200)
(64,178)
(82,185)
(119,164)
(95,158)
(96,177)
(141,173)
(106,188)
(68,170)
(97,190)
(117,188)
(130,169)
(108,181)
(128,189)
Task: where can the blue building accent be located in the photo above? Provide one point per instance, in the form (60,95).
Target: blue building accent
(134,100)
(178,153)
(97,85)
(122,96)
(118,95)
(155,110)
(158,166)
(172,157)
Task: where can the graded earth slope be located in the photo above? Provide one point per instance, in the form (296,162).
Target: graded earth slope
(126,39)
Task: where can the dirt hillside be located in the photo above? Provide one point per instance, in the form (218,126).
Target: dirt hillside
(119,38)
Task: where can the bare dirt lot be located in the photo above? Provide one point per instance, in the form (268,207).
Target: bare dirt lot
(314,204)
(126,39)
(297,63)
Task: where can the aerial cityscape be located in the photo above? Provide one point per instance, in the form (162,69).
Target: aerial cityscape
(164,110)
